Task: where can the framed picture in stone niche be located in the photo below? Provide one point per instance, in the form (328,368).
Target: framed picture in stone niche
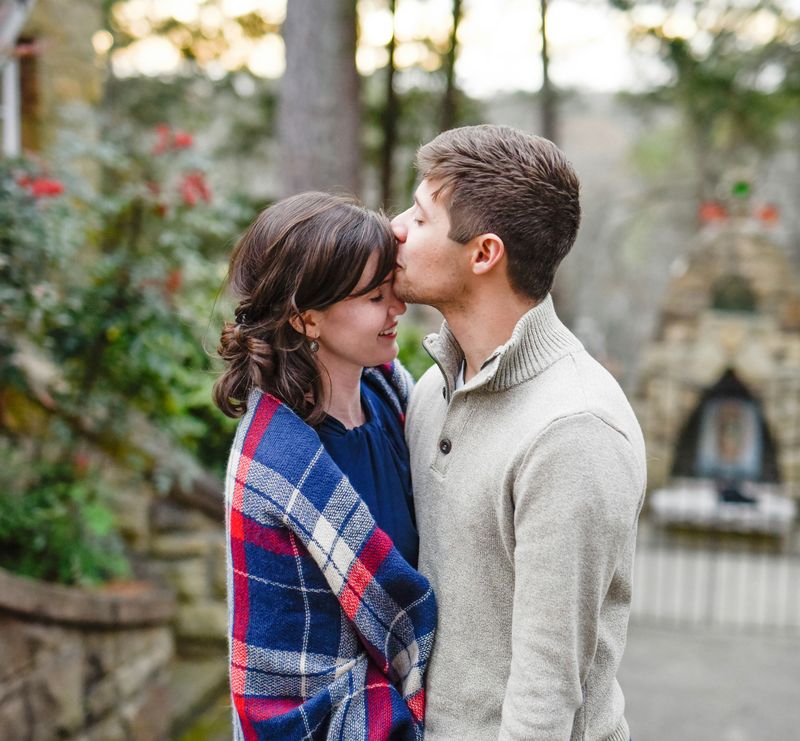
(730,444)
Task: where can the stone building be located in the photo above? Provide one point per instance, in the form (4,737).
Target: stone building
(720,384)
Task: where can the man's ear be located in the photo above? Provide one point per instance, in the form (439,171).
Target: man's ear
(488,251)
(306,324)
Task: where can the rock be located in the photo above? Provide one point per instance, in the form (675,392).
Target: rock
(207,621)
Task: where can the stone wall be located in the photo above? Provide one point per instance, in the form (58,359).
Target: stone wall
(696,344)
(176,538)
(170,512)
(83,664)
(168,508)
(176,534)
(186,552)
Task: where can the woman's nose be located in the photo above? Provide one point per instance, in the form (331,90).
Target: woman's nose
(396,306)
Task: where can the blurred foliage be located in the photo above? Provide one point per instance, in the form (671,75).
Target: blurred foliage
(129,328)
(735,76)
(237,109)
(415,124)
(39,238)
(202,38)
(412,355)
(55,522)
(234,115)
(108,277)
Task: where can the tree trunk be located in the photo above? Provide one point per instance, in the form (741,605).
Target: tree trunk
(450,103)
(547,94)
(390,116)
(318,110)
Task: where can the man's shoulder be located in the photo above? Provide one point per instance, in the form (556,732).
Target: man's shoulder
(602,393)
(426,391)
(572,390)
(430,379)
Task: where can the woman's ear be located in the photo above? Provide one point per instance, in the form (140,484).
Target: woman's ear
(306,324)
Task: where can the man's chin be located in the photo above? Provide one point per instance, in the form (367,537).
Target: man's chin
(406,291)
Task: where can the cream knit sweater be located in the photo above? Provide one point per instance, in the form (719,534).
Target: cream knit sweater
(528,483)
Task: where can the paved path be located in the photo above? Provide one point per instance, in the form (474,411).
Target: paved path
(679,685)
(711,685)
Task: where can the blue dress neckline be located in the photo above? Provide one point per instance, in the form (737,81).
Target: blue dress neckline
(374,457)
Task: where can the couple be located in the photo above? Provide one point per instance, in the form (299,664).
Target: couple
(504,495)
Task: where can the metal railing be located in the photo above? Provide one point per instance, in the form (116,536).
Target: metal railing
(699,577)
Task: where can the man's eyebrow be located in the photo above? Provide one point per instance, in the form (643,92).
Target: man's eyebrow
(419,206)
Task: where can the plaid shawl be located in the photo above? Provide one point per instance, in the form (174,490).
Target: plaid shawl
(330,628)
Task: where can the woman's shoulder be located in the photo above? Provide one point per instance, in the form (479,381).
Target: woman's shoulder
(269,419)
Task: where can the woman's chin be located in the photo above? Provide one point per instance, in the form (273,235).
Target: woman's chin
(387,355)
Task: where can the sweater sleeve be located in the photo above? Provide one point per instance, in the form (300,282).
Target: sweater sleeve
(576,496)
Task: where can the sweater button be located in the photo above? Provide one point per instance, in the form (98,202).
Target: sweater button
(445,445)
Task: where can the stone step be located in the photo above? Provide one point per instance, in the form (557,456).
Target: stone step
(200,699)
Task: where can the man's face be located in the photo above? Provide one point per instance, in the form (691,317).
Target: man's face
(431,268)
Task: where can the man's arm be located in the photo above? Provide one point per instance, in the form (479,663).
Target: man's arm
(576,500)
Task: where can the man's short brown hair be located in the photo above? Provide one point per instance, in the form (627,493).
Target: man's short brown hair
(516,185)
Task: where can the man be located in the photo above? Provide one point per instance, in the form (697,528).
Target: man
(527,461)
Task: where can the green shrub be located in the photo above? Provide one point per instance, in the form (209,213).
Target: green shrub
(55,523)
(109,286)
(412,355)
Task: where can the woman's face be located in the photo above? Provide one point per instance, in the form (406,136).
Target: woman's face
(360,331)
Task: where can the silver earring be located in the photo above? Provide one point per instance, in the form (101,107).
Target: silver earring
(313,346)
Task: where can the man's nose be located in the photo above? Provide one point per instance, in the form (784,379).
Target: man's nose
(399,228)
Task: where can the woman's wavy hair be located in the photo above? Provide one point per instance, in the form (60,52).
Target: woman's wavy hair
(304,252)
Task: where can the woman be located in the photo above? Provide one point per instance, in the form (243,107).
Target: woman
(330,627)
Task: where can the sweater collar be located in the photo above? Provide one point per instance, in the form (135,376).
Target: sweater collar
(539,339)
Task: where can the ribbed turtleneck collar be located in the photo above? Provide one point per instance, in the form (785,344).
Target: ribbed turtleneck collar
(538,340)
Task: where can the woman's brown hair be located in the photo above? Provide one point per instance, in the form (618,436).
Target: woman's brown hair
(304,252)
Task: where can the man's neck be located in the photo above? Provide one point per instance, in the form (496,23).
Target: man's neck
(484,324)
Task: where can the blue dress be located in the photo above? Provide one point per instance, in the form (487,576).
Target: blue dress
(374,457)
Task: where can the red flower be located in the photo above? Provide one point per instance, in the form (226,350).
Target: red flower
(41,187)
(769,214)
(81,462)
(173,282)
(166,139)
(182,140)
(163,139)
(45,187)
(193,188)
(712,211)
